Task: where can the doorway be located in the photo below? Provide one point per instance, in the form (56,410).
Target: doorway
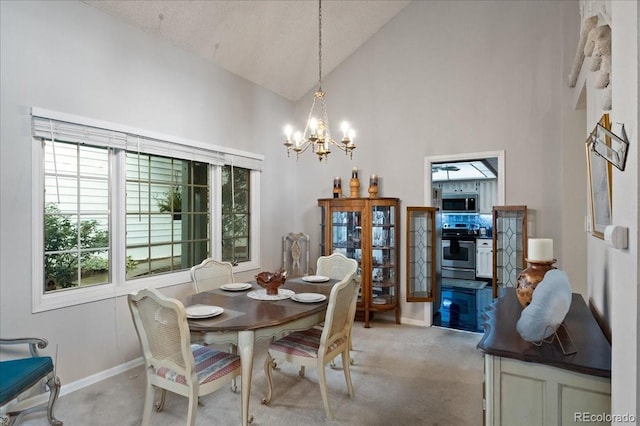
(435,312)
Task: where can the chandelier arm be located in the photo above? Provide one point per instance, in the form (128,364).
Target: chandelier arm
(306,127)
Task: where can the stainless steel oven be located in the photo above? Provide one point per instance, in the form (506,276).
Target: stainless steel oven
(459,253)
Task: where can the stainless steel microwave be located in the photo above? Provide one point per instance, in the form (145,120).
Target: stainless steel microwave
(460,203)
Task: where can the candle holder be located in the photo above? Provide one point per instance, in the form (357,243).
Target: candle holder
(373,187)
(337,187)
(530,277)
(354,184)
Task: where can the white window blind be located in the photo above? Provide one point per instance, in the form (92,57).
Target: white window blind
(60,126)
(46,128)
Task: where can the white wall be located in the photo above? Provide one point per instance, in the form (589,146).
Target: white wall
(621,272)
(72,58)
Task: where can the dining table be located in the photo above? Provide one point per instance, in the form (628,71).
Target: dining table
(254,319)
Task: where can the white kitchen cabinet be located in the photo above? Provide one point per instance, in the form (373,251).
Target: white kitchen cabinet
(487,195)
(484,258)
(454,187)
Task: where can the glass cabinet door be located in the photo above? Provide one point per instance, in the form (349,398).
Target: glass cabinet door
(383,254)
(346,233)
(421,254)
(509,248)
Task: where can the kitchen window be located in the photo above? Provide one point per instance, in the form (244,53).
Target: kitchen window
(123,210)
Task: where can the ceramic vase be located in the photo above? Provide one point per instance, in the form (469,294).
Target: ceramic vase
(529,278)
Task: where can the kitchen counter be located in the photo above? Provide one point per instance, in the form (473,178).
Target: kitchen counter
(471,284)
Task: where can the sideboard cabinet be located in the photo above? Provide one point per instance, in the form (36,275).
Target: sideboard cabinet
(367,230)
(554,383)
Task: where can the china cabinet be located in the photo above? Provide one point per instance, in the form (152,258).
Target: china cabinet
(422,254)
(367,230)
(509,246)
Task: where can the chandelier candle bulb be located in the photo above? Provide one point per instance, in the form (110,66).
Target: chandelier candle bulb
(354,173)
(540,250)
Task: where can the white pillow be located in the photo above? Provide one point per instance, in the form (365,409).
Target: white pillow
(549,305)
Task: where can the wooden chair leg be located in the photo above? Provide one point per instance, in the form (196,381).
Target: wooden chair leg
(322,378)
(193,409)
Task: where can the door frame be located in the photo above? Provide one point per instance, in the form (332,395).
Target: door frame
(428,193)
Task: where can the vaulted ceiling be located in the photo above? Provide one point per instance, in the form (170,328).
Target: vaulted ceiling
(273,43)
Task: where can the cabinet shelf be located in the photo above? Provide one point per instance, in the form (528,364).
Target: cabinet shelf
(371,220)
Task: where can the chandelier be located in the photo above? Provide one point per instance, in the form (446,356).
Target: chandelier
(316,131)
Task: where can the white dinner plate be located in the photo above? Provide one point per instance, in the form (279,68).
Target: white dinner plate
(236,286)
(203,311)
(315,278)
(309,297)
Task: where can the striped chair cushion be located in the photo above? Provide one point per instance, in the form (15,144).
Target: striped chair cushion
(210,365)
(303,343)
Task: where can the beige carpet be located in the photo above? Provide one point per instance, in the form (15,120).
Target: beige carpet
(403,375)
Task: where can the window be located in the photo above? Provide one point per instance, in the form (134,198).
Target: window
(236,197)
(167,214)
(123,210)
(76,215)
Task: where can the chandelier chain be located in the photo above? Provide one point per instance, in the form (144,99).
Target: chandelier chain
(320,45)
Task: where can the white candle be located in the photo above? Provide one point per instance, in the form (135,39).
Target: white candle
(540,249)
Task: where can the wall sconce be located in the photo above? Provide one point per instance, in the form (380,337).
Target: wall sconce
(610,146)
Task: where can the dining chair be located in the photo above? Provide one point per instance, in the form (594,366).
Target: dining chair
(295,254)
(337,266)
(24,382)
(210,274)
(316,347)
(172,362)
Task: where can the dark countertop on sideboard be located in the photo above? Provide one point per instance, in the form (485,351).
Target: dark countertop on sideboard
(593,355)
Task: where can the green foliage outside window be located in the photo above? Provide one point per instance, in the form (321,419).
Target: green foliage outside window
(235,214)
(61,250)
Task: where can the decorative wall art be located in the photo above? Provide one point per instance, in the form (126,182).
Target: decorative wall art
(595,44)
(610,146)
(599,173)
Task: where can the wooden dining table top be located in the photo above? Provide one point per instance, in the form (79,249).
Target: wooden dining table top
(242,312)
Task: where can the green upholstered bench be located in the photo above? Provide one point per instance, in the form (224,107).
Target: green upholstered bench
(23,380)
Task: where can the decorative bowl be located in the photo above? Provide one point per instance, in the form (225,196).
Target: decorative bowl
(270,281)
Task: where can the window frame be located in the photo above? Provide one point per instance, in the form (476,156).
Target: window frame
(154,143)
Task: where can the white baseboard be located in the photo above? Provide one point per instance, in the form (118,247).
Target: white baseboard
(95,378)
(411,321)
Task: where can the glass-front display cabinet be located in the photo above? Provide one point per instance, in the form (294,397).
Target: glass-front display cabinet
(422,254)
(509,246)
(367,230)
